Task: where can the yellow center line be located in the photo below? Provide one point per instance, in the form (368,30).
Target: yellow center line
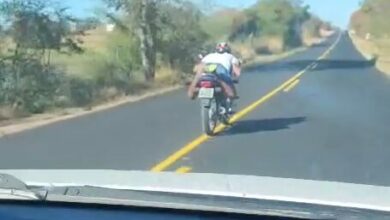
(163,165)
(291,86)
(180,153)
(183,170)
(314,66)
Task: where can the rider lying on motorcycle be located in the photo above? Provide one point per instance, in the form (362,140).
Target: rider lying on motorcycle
(228,66)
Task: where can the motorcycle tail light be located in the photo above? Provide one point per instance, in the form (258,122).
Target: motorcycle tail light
(206,84)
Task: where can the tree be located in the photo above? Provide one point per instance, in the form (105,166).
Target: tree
(144,16)
(35,27)
(180,35)
(276,18)
(169,27)
(38,25)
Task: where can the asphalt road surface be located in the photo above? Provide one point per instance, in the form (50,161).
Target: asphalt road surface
(333,125)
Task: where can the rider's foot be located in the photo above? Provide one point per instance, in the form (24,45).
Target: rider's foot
(192,96)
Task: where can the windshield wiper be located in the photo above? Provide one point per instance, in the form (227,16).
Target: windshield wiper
(12,188)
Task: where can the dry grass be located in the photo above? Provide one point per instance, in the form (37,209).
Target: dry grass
(166,76)
(96,39)
(5,44)
(312,41)
(93,42)
(273,44)
(273,57)
(8,112)
(262,50)
(219,23)
(245,50)
(375,48)
(309,40)
(250,49)
(74,64)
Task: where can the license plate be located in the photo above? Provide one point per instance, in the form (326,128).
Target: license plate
(207,93)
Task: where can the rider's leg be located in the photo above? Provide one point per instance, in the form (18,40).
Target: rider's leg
(234,91)
(192,87)
(230,91)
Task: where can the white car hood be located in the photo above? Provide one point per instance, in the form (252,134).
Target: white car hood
(264,188)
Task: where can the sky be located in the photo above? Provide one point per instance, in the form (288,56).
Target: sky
(335,11)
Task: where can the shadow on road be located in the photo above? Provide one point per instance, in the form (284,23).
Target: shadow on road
(323,44)
(253,126)
(298,65)
(334,64)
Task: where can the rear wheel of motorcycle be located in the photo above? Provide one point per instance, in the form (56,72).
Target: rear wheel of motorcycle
(209,117)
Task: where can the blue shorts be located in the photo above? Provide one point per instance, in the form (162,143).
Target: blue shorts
(224,75)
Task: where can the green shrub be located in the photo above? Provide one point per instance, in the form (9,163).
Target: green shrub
(30,85)
(275,19)
(7,84)
(62,101)
(109,93)
(81,91)
(116,67)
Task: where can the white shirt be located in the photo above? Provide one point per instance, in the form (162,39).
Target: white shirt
(227,60)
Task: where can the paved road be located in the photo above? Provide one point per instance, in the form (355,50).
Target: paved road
(332,126)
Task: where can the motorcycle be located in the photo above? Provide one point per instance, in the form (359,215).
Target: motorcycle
(213,102)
